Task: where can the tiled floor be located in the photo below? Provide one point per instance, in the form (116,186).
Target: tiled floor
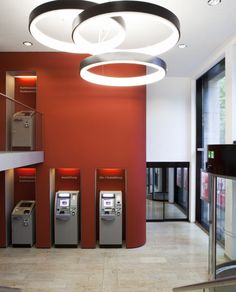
(175,254)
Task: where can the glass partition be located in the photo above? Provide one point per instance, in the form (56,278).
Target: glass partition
(225,227)
(222,222)
(20,126)
(231,288)
(222,285)
(155,195)
(167,191)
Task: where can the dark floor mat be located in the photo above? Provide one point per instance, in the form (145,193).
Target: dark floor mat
(9,289)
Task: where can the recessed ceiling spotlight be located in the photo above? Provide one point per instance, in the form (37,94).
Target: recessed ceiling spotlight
(182,46)
(214,2)
(27,44)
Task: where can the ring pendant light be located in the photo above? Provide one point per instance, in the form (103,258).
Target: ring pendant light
(59,15)
(51,15)
(136,14)
(157,65)
(104,36)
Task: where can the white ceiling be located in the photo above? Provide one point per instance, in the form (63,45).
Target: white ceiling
(203,29)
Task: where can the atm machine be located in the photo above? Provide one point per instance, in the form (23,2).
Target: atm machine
(23,130)
(23,224)
(110,219)
(66,219)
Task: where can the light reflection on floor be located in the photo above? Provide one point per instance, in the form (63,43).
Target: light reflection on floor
(155,210)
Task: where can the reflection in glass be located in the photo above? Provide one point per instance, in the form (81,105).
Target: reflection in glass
(213,123)
(225,227)
(210,129)
(154,195)
(167,193)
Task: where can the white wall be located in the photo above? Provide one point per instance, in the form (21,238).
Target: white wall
(169,120)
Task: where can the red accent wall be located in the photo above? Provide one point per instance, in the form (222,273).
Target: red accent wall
(67,179)
(24,184)
(87,126)
(25,93)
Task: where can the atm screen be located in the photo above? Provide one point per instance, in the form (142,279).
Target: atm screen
(25,205)
(109,203)
(64,203)
(64,195)
(108,195)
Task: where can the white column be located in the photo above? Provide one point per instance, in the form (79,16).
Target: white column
(171,190)
(159,179)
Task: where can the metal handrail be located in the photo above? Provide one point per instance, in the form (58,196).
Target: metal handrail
(222,282)
(18,102)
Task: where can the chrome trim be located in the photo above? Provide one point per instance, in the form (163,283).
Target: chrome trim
(200,149)
(226,281)
(212,227)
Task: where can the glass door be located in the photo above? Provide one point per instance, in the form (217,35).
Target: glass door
(155,194)
(210,110)
(167,191)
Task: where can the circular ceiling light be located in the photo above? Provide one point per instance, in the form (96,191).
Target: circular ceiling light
(51,23)
(105,35)
(150,28)
(157,69)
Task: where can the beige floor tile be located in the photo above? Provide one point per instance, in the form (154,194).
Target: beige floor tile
(175,254)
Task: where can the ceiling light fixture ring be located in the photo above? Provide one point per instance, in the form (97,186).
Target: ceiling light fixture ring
(45,9)
(157,65)
(121,9)
(106,40)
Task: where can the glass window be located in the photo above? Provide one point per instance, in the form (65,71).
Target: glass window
(213,114)
(210,111)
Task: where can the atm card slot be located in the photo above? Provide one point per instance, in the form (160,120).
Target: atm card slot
(63,217)
(108,217)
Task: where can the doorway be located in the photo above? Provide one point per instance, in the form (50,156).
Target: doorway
(167,191)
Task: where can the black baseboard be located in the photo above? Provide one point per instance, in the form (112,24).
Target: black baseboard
(110,245)
(22,245)
(66,245)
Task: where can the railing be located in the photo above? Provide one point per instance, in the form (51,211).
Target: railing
(20,126)
(226,284)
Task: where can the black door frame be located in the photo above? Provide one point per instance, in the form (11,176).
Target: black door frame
(211,73)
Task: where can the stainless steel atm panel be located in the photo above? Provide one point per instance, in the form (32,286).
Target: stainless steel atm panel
(110,218)
(23,129)
(23,223)
(66,219)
